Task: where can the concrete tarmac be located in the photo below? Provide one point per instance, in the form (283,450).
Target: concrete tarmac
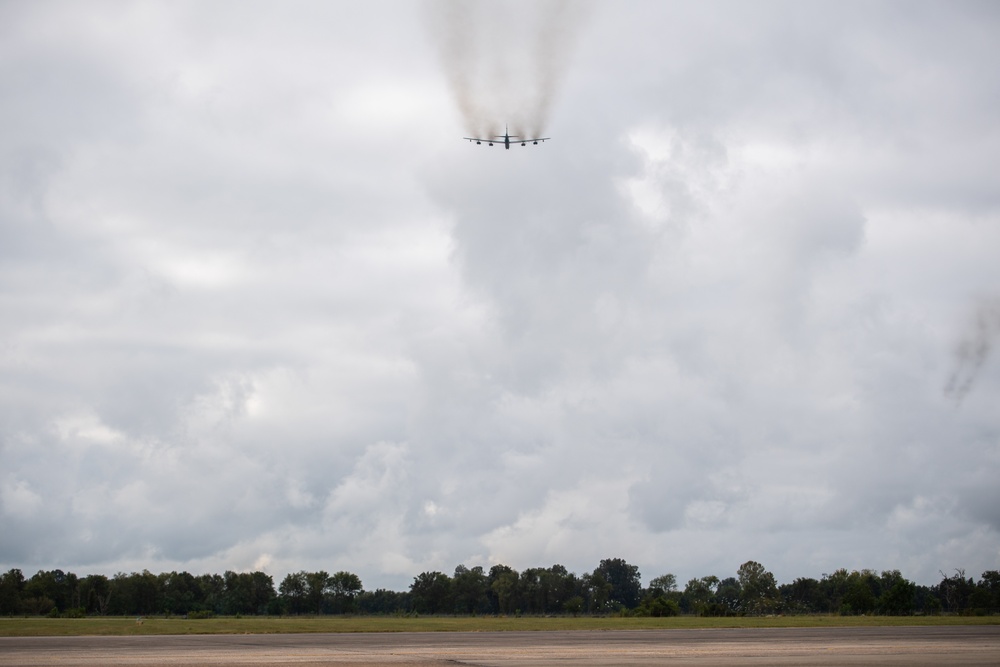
(956,645)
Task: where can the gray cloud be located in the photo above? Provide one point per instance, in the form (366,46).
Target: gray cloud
(262,307)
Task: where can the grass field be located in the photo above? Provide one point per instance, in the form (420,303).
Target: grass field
(34,627)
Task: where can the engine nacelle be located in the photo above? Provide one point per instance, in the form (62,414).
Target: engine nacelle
(536,143)
(479,143)
(491,143)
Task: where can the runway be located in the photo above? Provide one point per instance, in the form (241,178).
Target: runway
(957,645)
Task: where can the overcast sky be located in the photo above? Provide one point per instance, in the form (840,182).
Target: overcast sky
(262,308)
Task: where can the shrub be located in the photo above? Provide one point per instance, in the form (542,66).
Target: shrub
(658,606)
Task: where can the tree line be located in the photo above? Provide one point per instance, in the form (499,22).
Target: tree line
(614,587)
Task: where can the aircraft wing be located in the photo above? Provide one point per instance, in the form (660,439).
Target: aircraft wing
(513,140)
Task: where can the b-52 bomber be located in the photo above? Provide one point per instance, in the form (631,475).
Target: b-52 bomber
(507,139)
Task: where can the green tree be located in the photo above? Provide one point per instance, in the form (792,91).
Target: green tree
(469,590)
(665,583)
(345,588)
(661,598)
(317,587)
(574,605)
(431,593)
(293,592)
(834,588)
(135,594)
(625,581)
(11,588)
(860,596)
(532,590)
(213,592)
(658,605)
(728,596)
(181,592)
(698,594)
(802,596)
(954,591)
(758,589)
(898,596)
(990,584)
(504,594)
(52,585)
(383,601)
(505,588)
(559,585)
(238,597)
(598,592)
(262,592)
(927,601)
(95,594)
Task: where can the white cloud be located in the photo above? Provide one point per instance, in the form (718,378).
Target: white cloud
(19,499)
(260,306)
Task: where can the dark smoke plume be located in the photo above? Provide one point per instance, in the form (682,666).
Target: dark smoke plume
(505,60)
(974,348)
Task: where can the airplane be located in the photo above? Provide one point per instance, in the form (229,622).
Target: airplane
(506,137)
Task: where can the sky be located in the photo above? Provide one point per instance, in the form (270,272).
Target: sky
(261,307)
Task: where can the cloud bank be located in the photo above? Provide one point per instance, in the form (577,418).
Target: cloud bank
(261,307)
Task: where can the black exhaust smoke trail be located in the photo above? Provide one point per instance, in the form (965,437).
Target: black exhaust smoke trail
(505,60)
(973,350)
(556,37)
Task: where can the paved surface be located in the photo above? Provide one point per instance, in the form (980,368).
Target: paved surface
(962,645)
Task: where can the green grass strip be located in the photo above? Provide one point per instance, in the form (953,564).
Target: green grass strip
(37,627)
